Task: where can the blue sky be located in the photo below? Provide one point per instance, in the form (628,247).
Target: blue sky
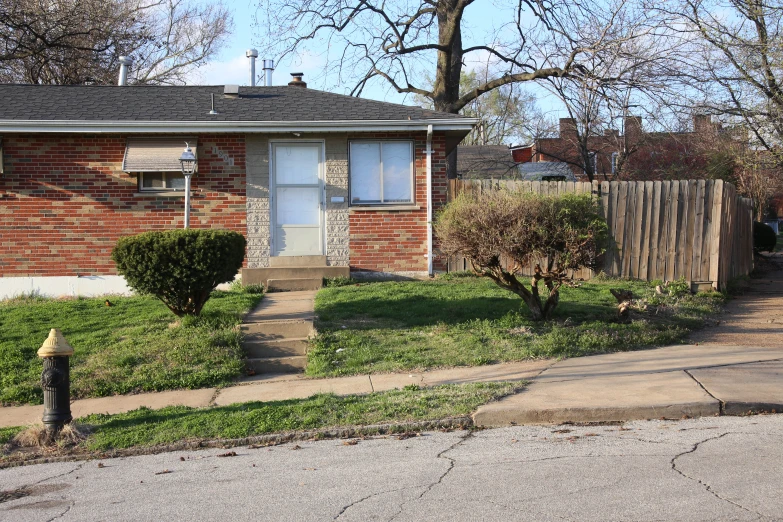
(232,67)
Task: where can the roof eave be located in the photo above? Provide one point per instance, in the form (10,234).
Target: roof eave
(141,127)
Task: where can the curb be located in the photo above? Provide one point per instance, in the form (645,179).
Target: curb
(270,439)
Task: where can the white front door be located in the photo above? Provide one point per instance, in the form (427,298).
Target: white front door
(297,216)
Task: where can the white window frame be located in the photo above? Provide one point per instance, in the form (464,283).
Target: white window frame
(165,188)
(273,192)
(382,202)
(615,155)
(592,157)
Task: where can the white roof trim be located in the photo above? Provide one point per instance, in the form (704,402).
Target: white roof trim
(114,127)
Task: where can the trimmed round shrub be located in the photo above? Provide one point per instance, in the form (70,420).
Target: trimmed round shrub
(180,267)
(764,238)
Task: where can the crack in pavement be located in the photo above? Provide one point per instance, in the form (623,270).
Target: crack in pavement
(464,438)
(77,468)
(70,505)
(64,474)
(564,457)
(706,486)
(357,502)
(721,404)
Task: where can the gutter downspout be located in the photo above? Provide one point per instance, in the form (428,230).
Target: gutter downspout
(428,153)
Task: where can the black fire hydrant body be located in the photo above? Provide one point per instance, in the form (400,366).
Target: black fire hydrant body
(56,381)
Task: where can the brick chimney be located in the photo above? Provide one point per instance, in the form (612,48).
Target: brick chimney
(297,80)
(701,123)
(567,126)
(633,126)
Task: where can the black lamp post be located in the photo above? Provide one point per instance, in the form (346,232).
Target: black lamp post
(188,163)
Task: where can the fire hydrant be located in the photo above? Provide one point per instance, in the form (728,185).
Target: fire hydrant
(56,382)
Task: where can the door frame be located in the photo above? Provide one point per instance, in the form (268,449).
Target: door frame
(273,192)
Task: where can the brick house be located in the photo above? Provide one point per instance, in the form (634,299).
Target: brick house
(648,155)
(343,182)
(500,162)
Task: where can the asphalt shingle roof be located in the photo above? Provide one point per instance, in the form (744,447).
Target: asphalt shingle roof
(193,103)
(485,162)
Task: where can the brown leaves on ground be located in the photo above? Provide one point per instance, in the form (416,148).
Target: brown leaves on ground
(228,454)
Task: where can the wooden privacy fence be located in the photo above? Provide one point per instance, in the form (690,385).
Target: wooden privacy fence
(699,230)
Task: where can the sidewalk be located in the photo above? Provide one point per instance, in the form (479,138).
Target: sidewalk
(281,387)
(669,382)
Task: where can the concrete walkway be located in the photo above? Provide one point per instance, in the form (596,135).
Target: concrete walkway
(672,382)
(275,333)
(281,387)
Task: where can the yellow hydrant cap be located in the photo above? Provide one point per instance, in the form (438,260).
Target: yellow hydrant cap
(55,345)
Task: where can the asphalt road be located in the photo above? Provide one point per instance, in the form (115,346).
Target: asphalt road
(724,468)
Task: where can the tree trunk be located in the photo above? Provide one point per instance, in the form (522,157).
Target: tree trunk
(445,91)
(451,165)
(538,311)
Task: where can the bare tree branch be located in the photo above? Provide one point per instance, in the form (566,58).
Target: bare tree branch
(80,41)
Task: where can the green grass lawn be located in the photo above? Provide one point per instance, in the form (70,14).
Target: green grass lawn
(145,427)
(135,345)
(468,321)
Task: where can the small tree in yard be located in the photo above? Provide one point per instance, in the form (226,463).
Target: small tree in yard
(180,267)
(488,228)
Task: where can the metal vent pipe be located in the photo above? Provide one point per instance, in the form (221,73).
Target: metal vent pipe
(252,54)
(269,66)
(125,63)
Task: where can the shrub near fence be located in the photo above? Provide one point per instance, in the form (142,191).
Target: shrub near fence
(699,230)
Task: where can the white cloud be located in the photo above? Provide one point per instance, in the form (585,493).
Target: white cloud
(233,71)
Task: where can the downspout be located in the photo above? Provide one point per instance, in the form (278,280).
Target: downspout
(428,152)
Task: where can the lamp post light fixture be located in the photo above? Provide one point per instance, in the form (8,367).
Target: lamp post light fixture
(188,163)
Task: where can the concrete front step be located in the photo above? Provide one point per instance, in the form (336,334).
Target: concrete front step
(294,364)
(260,276)
(291,261)
(276,330)
(289,285)
(282,348)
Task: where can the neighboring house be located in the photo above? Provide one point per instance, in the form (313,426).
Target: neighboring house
(299,172)
(500,162)
(546,171)
(485,162)
(647,155)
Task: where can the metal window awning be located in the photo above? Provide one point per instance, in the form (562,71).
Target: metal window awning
(155,154)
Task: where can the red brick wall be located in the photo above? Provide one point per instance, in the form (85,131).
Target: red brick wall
(64,201)
(396,241)
(653,156)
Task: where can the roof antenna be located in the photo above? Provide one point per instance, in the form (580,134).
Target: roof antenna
(213,111)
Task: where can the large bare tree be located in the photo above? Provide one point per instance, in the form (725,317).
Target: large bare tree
(507,115)
(734,67)
(403,43)
(80,41)
(626,79)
